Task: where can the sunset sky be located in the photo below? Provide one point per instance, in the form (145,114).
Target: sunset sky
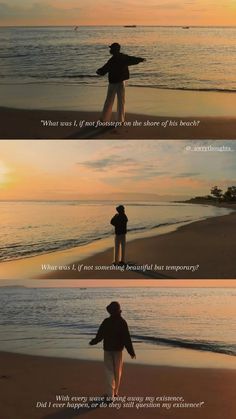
(75,169)
(118,12)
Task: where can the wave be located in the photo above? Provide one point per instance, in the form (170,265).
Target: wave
(17,251)
(190,344)
(141,228)
(79,76)
(172,223)
(35,249)
(187,89)
(63,76)
(78,79)
(14,56)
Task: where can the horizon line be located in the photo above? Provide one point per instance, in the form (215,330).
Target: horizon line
(73,199)
(121,25)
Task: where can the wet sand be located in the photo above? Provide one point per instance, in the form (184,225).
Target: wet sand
(56,124)
(26,380)
(201,250)
(204,115)
(208,246)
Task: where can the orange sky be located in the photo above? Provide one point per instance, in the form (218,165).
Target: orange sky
(119,12)
(69,169)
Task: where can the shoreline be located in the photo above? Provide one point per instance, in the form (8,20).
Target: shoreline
(214,233)
(86,97)
(151,355)
(213,387)
(68,256)
(214,255)
(176,114)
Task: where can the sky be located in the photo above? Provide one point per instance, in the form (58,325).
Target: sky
(108,169)
(117,12)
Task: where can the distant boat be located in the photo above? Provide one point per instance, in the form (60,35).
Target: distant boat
(185,27)
(76,28)
(130,26)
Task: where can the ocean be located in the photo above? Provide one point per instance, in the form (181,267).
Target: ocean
(30,228)
(190,327)
(200,58)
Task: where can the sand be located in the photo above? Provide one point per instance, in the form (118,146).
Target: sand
(207,245)
(28,124)
(201,250)
(209,115)
(26,380)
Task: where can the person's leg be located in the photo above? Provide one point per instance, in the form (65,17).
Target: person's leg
(109,373)
(118,364)
(107,108)
(121,101)
(123,246)
(120,239)
(116,249)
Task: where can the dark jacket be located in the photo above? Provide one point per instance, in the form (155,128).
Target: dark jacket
(117,67)
(119,221)
(115,335)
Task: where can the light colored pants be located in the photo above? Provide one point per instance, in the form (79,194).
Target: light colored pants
(113,361)
(119,248)
(113,90)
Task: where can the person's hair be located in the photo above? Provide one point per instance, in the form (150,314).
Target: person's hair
(115,46)
(120,208)
(113,308)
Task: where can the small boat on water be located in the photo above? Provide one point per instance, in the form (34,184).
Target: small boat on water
(130,26)
(185,27)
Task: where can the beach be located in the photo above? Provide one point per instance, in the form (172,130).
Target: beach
(207,245)
(211,391)
(37,111)
(27,125)
(29,113)
(59,322)
(45,351)
(181,89)
(200,250)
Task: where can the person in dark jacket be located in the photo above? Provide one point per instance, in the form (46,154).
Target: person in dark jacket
(118,71)
(115,335)
(119,221)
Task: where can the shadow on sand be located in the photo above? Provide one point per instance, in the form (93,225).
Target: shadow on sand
(90,132)
(149,273)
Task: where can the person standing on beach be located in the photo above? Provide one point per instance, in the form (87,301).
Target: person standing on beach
(119,221)
(115,334)
(118,71)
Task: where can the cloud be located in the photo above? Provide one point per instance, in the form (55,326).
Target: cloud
(186,175)
(108,162)
(143,173)
(117,170)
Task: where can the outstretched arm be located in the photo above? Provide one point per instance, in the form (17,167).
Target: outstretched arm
(104,70)
(134,60)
